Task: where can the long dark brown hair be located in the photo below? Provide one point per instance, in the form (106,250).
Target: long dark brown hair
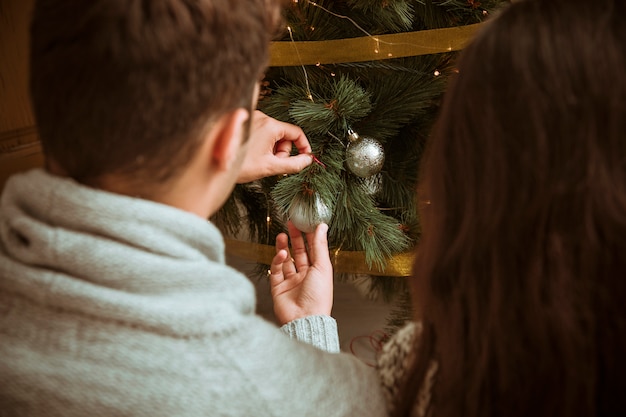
(520,279)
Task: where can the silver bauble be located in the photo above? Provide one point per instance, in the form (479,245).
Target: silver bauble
(372,185)
(307,212)
(365,156)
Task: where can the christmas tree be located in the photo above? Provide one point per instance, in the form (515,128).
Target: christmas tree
(363,79)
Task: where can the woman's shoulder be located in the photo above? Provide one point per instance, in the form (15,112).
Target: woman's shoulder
(395,359)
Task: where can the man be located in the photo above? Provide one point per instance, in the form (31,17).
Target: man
(114,295)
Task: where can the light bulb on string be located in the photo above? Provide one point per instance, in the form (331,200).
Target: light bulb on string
(377,41)
(306,74)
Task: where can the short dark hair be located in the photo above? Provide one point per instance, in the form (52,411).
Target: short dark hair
(128,86)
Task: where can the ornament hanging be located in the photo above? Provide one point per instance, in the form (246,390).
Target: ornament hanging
(372,185)
(364,155)
(307,212)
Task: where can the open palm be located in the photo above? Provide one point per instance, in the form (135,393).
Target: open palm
(301,282)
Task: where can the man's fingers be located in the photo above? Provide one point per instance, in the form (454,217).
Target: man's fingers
(318,247)
(293,164)
(276,268)
(298,248)
(282,244)
(294,134)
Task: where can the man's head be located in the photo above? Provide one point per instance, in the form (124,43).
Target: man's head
(131,87)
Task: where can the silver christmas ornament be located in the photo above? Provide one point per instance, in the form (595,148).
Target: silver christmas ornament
(364,156)
(372,185)
(307,212)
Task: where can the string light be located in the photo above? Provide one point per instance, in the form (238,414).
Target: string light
(340,16)
(334,137)
(376,39)
(377,43)
(268,221)
(306,75)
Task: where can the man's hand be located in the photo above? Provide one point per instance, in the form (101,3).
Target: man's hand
(303,285)
(269,149)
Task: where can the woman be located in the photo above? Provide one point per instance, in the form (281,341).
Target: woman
(519,282)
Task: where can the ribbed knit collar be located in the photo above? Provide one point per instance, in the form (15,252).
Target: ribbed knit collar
(101,253)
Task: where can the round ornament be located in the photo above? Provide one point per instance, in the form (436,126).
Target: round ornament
(306,213)
(372,185)
(364,156)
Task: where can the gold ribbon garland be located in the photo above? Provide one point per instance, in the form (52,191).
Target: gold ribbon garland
(371,48)
(343,261)
(366,48)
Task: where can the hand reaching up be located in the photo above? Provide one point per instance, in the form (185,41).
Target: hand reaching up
(301,282)
(269,149)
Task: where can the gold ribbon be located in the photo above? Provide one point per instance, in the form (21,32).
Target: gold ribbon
(367,48)
(343,261)
(371,48)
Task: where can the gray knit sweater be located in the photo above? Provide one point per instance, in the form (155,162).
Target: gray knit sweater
(116,306)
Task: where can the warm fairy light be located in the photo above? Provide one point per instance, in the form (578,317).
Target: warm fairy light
(356,25)
(437,73)
(268,219)
(332,74)
(306,74)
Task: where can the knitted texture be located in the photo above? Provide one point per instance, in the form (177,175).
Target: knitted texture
(117,306)
(319,331)
(393,361)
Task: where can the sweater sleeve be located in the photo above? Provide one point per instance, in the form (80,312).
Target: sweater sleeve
(319,331)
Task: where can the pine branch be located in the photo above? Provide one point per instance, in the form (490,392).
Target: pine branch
(394,101)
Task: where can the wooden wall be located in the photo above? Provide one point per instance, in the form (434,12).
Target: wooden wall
(19,145)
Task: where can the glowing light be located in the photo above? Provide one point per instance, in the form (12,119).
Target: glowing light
(306,74)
